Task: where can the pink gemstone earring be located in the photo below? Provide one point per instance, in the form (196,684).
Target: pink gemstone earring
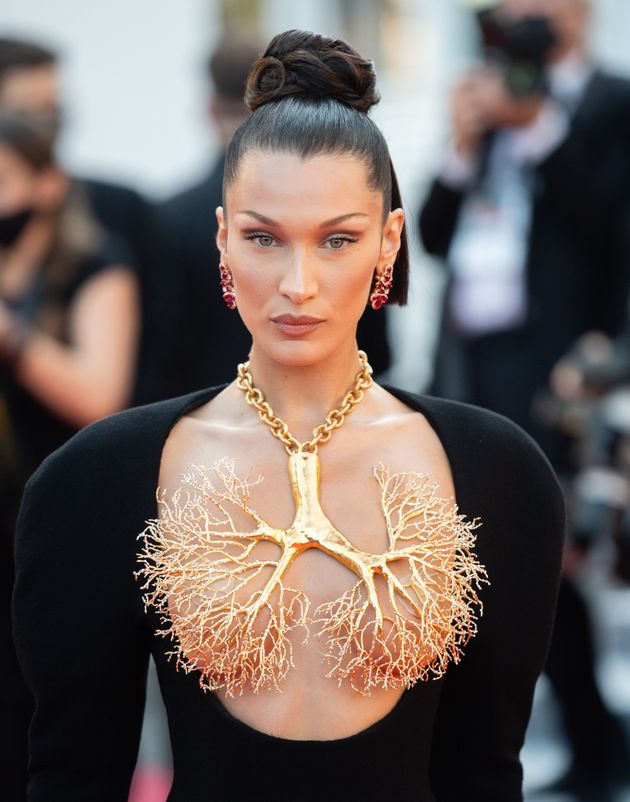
(227,287)
(382,286)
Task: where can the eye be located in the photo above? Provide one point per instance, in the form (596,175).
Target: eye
(337,241)
(263,239)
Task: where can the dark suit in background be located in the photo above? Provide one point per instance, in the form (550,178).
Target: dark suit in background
(201,340)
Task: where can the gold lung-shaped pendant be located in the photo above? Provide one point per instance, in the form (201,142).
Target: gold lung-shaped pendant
(225,604)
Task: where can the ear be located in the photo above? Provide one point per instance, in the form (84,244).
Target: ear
(221,236)
(391,238)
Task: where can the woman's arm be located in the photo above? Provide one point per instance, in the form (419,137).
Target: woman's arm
(78,621)
(486,699)
(93,377)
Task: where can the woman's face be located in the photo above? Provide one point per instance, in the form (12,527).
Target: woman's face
(302,238)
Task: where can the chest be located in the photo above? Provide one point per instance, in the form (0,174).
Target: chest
(367,572)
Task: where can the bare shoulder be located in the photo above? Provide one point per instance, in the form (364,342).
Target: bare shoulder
(221,426)
(406,438)
(224,416)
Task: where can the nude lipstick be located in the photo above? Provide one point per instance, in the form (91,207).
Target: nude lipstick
(296,325)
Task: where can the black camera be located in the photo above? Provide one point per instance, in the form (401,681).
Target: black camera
(519,47)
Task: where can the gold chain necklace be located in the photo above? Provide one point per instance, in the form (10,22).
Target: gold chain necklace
(321,433)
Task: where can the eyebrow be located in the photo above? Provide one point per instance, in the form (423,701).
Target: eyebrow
(269,222)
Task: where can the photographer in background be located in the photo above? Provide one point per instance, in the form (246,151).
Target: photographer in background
(531,214)
(531,208)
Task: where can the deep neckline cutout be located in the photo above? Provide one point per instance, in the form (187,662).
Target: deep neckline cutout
(201,397)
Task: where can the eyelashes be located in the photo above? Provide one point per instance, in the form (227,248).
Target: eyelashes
(270,241)
(341,238)
(259,235)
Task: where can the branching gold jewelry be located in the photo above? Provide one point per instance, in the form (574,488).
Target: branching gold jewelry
(220,588)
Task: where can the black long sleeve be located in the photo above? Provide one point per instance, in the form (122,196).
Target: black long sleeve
(79,632)
(83,638)
(486,700)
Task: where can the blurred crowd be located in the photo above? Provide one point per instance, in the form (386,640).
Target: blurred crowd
(110,299)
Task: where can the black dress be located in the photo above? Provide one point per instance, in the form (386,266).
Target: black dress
(84,640)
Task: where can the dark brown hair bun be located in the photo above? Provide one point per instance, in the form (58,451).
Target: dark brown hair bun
(313,66)
(309,96)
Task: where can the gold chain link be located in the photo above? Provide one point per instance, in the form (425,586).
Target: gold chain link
(321,433)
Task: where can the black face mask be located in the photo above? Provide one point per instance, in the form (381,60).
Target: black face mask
(49,121)
(12,225)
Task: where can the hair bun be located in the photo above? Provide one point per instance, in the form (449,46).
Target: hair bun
(313,66)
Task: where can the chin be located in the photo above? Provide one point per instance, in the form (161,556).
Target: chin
(297,353)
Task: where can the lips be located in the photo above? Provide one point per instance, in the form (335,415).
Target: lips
(296,320)
(295,325)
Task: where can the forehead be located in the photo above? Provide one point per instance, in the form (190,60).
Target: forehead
(30,88)
(281,185)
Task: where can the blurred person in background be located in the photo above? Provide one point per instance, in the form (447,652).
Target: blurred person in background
(200,340)
(30,81)
(530,212)
(530,209)
(69,323)
(194,319)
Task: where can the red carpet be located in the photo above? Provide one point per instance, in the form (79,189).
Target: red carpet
(151,783)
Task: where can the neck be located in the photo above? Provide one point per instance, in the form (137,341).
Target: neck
(302,396)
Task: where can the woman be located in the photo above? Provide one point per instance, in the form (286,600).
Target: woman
(68,327)
(68,300)
(314,617)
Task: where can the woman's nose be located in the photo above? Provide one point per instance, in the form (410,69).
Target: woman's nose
(299,281)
